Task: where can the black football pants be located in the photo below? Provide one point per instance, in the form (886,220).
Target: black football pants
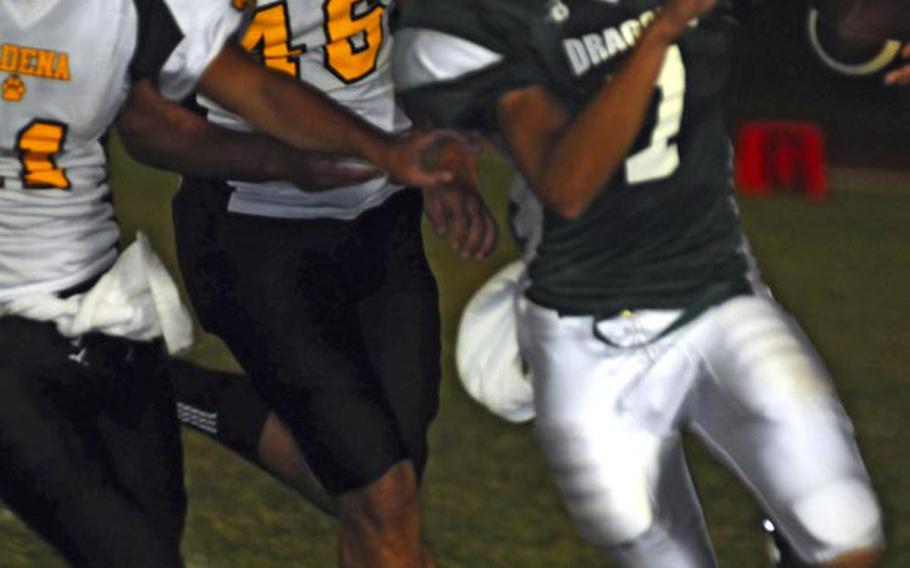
(90,454)
(336,323)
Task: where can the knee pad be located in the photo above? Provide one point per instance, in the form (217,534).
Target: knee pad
(617,519)
(843,515)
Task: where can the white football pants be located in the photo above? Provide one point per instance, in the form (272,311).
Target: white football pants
(744,379)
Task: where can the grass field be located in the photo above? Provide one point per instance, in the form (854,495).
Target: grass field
(841,267)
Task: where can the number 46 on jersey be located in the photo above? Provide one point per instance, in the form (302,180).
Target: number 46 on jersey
(352,34)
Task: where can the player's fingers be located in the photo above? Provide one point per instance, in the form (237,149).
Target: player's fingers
(459,226)
(419,176)
(899,77)
(491,236)
(906,51)
(472,172)
(429,142)
(464,140)
(475,237)
(435,213)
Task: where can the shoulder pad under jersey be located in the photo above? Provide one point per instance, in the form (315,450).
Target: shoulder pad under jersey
(177,39)
(453,59)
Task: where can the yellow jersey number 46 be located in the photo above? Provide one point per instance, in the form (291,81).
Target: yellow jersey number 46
(353,28)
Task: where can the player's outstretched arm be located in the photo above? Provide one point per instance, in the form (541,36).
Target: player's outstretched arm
(900,76)
(568,161)
(163,134)
(307,119)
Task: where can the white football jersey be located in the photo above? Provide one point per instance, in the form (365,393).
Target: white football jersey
(65,69)
(342,48)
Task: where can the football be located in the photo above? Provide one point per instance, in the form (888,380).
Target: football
(858,38)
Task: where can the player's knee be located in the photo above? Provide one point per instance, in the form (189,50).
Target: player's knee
(845,518)
(617,521)
(384,505)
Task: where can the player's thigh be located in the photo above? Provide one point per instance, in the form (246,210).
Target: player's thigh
(768,407)
(334,406)
(54,464)
(272,291)
(398,313)
(38,444)
(139,428)
(603,458)
(293,326)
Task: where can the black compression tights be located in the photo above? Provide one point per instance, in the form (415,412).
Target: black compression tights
(89,447)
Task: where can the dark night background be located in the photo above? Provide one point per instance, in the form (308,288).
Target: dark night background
(777,76)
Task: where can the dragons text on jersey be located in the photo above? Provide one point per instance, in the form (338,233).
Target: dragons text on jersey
(592,49)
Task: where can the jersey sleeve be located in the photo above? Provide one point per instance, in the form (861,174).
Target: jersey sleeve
(454,59)
(177,39)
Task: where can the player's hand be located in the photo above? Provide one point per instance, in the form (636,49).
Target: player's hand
(900,76)
(407,157)
(457,212)
(455,209)
(680,13)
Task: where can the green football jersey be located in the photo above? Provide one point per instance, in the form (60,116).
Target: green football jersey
(664,232)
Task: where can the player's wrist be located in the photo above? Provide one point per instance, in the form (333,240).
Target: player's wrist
(377,147)
(667,27)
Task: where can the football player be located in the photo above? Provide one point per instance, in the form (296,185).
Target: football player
(224,405)
(89,451)
(643,316)
(325,297)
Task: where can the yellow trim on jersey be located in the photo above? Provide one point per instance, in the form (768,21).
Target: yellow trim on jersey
(43,63)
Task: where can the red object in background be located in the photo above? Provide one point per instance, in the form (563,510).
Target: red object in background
(781,155)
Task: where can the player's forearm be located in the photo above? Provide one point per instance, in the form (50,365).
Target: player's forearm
(165,135)
(596,142)
(317,122)
(295,113)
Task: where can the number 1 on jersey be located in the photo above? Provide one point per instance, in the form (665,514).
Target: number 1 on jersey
(38,142)
(660,159)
